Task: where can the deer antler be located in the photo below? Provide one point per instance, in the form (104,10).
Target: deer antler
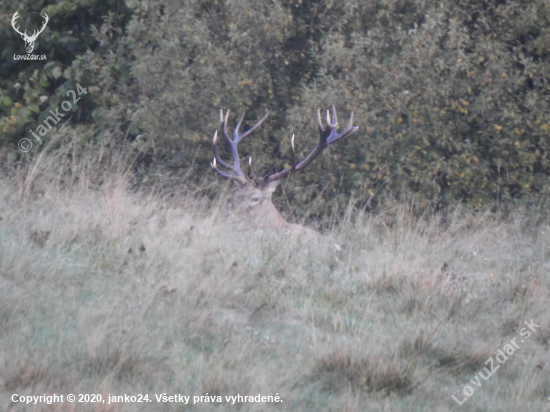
(327,136)
(237,173)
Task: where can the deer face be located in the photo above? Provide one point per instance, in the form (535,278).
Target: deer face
(252,205)
(250,198)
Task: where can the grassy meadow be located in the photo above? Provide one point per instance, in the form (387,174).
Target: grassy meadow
(110,290)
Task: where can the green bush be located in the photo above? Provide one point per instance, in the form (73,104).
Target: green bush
(30,89)
(451,98)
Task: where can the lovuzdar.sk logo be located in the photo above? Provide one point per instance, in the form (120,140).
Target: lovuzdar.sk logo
(29,40)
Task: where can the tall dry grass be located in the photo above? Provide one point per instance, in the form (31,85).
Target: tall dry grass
(106,289)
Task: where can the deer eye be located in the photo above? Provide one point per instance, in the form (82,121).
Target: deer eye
(255,199)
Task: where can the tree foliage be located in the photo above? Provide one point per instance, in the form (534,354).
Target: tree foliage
(451,97)
(30,89)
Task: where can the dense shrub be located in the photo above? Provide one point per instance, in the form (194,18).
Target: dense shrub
(30,89)
(451,97)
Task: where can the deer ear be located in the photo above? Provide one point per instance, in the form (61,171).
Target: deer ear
(271,186)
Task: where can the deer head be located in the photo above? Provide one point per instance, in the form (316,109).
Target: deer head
(253,197)
(29,40)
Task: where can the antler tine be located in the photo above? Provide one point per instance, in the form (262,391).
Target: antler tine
(223,121)
(293,150)
(319,122)
(236,136)
(249,169)
(334,122)
(216,154)
(350,128)
(240,137)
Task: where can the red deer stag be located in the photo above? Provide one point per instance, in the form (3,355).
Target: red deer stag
(253,198)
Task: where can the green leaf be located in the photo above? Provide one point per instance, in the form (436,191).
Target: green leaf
(6,101)
(34,108)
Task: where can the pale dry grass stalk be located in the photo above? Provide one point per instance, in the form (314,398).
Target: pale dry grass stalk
(108,290)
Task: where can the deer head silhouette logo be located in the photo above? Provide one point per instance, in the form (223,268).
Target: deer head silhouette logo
(29,40)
